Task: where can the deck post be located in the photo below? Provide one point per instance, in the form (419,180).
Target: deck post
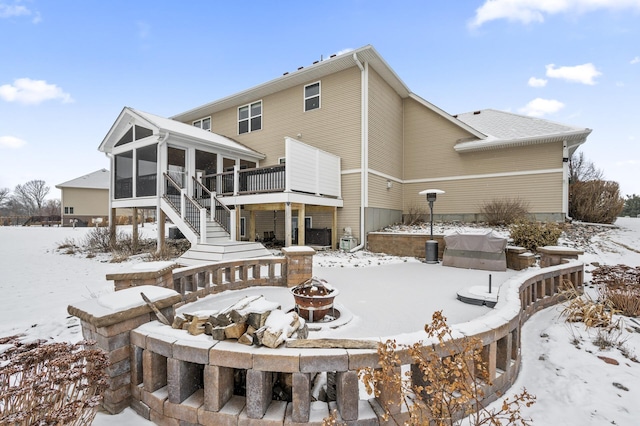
(252,225)
(334,229)
(112,226)
(134,225)
(287,224)
(301,224)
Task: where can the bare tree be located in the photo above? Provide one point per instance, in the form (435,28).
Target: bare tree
(583,170)
(31,195)
(4,196)
(52,207)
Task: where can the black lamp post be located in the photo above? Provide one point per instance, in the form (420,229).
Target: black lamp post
(431,246)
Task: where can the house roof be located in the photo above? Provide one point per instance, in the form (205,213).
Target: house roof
(96,180)
(162,126)
(505,129)
(320,69)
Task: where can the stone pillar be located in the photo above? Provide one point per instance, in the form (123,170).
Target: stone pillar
(183,379)
(259,390)
(301,397)
(347,396)
(218,387)
(390,394)
(299,264)
(103,321)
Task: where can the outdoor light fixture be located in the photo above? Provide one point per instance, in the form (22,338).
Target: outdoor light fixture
(431,246)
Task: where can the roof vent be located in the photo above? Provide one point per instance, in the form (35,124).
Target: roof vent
(315,62)
(285,73)
(299,68)
(333,56)
(476,112)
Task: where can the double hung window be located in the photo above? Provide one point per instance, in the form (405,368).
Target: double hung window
(250,117)
(312,96)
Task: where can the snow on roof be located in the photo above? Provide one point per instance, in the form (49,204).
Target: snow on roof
(177,127)
(505,125)
(96,180)
(507,129)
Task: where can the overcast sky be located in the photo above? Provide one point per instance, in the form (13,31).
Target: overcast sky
(67,68)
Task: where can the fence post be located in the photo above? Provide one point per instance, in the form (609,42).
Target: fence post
(236,180)
(203,226)
(183,193)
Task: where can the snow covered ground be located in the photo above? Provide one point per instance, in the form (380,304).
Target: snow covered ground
(573,386)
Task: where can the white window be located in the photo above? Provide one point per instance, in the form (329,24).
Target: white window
(68,210)
(312,96)
(204,124)
(250,117)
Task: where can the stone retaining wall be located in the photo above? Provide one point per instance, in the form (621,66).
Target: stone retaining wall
(178,379)
(413,245)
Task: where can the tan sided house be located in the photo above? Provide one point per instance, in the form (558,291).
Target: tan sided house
(341,144)
(85,200)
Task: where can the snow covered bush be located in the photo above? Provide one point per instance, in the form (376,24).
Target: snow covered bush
(448,388)
(531,235)
(50,383)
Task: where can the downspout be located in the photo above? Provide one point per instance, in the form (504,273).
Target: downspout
(364,147)
(565,180)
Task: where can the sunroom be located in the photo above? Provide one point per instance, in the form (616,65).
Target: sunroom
(196,177)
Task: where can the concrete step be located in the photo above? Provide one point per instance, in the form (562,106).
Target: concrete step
(221,252)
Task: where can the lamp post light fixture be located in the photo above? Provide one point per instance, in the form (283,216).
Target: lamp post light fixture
(431,246)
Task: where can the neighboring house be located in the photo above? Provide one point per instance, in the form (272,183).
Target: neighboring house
(85,199)
(340,144)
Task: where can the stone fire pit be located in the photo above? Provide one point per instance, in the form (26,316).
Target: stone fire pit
(314,299)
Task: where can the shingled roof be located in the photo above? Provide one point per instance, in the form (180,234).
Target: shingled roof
(96,180)
(504,129)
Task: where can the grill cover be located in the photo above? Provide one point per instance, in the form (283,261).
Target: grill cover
(484,251)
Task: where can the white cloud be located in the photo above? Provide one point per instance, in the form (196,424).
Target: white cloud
(528,11)
(11,10)
(537,82)
(540,107)
(635,60)
(584,73)
(11,142)
(32,92)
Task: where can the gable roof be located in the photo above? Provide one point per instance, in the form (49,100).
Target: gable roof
(316,71)
(319,69)
(505,129)
(164,127)
(96,180)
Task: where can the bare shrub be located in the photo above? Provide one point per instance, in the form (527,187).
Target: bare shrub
(415,215)
(596,201)
(619,286)
(582,308)
(50,383)
(531,235)
(504,211)
(452,384)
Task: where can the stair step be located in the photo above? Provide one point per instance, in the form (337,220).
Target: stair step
(223,251)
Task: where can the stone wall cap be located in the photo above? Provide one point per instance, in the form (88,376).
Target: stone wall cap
(559,250)
(117,307)
(144,270)
(298,250)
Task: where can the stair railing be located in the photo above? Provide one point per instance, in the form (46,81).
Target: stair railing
(219,212)
(191,212)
